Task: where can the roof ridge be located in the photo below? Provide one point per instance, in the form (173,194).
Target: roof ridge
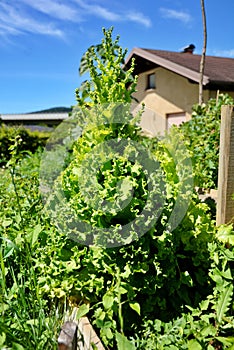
(184,53)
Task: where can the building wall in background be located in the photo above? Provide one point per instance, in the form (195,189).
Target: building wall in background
(173,94)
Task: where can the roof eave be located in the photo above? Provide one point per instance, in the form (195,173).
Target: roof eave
(34,116)
(186,72)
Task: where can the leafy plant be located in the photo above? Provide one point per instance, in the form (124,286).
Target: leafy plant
(157,275)
(127,275)
(30,141)
(171,284)
(108,82)
(202,133)
(28,319)
(209,326)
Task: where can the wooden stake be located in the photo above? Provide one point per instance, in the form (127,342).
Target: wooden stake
(225,201)
(68,336)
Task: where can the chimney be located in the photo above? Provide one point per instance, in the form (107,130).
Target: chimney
(189,49)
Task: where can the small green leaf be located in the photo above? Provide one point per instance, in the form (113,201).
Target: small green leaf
(208,331)
(2,339)
(204,304)
(83,310)
(33,322)
(36,231)
(122,290)
(9,248)
(226,340)
(7,222)
(108,333)
(107,301)
(194,345)
(32,236)
(210,347)
(3,307)
(225,234)
(123,343)
(17,346)
(224,302)
(136,307)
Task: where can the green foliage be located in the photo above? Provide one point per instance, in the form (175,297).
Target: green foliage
(29,141)
(108,82)
(123,343)
(163,270)
(202,133)
(155,276)
(172,285)
(99,182)
(28,319)
(225,234)
(209,326)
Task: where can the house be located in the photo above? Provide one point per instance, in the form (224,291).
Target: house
(41,120)
(168,83)
(48,119)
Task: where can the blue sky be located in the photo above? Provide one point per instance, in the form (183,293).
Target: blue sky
(42,41)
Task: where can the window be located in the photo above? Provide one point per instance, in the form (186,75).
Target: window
(151,81)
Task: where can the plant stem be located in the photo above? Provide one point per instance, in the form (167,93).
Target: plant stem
(12,172)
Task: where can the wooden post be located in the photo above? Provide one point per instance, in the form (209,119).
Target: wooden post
(79,334)
(87,337)
(68,336)
(225,201)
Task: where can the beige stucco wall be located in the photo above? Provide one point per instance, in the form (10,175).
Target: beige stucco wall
(173,94)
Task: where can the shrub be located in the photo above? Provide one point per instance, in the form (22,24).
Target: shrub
(29,140)
(202,134)
(29,320)
(209,326)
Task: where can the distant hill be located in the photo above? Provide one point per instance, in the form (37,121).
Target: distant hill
(54,110)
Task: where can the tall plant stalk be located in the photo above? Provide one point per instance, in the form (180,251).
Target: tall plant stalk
(203,56)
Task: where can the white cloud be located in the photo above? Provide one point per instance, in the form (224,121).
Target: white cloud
(139,18)
(98,11)
(173,14)
(224,53)
(54,9)
(47,17)
(102,12)
(6,29)
(16,22)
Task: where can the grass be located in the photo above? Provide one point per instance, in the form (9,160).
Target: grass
(29,319)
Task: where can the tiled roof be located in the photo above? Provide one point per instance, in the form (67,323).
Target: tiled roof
(217,69)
